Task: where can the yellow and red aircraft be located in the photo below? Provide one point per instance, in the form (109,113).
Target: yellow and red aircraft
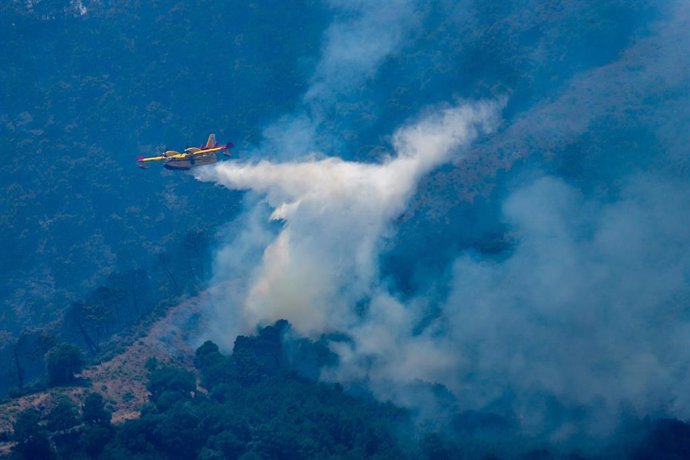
(191,157)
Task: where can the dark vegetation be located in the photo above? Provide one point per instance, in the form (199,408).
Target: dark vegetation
(63,361)
(112,255)
(91,243)
(248,405)
(259,403)
(53,353)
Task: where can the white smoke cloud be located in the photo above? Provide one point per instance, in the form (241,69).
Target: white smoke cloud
(362,36)
(365,33)
(335,214)
(588,311)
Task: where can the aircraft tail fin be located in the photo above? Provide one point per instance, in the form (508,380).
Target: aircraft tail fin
(211,142)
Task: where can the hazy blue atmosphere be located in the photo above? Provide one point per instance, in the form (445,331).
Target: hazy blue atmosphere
(477,207)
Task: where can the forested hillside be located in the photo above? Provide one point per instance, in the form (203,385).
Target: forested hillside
(447,229)
(262,402)
(90,242)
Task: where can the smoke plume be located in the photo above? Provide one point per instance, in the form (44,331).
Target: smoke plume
(335,214)
(582,320)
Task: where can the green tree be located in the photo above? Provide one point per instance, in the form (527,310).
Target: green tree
(151,364)
(62,362)
(30,348)
(92,319)
(37,448)
(212,365)
(94,438)
(26,426)
(177,433)
(206,354)
(63,416)
(227,443)
(109,301)
(256,358)
(171,379)
(94,411)
(32,443)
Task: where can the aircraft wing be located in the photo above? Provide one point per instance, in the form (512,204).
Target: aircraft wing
(141,160)
(157,158)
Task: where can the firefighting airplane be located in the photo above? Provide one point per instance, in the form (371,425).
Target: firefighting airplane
(191,157)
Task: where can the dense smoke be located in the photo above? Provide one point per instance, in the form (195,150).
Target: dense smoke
(362,35)
(581,320)
(356,44)
(324,259)
(589,309)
